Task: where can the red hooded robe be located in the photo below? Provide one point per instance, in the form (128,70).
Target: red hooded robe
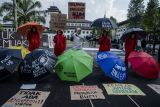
(104,43)
(34,40)
(130,45)
(60,44)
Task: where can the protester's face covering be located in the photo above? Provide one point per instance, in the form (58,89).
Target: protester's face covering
(59,32)
(34,29)
(133,36)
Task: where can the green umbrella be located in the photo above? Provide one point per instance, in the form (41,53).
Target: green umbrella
(74,65)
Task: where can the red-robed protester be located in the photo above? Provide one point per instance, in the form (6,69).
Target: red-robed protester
(130,45)
(104,42)
(60,43)
(33,38)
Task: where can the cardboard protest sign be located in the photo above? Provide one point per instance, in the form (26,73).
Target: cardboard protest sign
(76,10)
(27,98)
(58,21)
(155,87)
(82,92)
(122,89)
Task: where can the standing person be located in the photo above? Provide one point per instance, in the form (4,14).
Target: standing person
(77,39)
(33,38)
(130,45)
(60,43)
(143,44)
(104,42)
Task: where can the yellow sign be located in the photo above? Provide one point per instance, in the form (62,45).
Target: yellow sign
(122,89)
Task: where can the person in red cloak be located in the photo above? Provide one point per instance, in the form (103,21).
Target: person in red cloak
(33,38)
(60,43)
(104,42)
(130,45)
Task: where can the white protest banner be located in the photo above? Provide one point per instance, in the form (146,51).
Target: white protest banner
(122,89)
(155,87)
(82,92)
(27,98)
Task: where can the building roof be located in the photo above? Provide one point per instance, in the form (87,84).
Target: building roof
(53,9)
(123,22)
(78,21)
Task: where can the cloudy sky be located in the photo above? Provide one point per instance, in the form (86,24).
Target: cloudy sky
(95,8)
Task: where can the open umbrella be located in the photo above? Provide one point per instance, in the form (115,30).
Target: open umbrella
(144,65)
(10,58)
(104,23)
(112,66)
(23,29)
(74,65)
(24,51)
(4,73)
(37,65)
(140,33)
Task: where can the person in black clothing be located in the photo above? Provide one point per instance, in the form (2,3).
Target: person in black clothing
(143,44)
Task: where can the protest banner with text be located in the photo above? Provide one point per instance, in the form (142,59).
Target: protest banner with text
(82,92)
(76,10)
(122,89)
(27,98)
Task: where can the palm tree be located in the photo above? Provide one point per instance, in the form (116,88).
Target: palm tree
(27,10)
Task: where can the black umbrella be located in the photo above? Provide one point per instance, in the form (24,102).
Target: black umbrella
(10,58)
(104,23)
(37,65)
(4,73)
(140,33)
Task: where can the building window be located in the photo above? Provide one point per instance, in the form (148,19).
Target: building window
(68,31)
(72,24)
(9,30)
(83,32)
(86,32)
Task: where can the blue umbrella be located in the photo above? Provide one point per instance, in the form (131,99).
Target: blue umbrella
(140,33)
(112,66)
(10,58)
(104,23)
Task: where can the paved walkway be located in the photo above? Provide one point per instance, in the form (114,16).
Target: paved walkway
(60,92)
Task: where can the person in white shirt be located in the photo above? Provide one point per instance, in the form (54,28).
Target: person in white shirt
(77,40)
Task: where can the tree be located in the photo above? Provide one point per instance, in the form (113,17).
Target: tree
(113,19)
(151,17)
(135,13)
(1,27)
(27,10)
